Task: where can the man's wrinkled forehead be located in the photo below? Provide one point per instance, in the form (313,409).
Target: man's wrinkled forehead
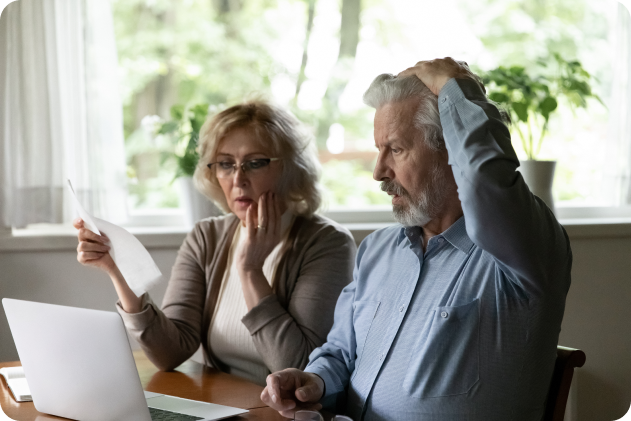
(395,120)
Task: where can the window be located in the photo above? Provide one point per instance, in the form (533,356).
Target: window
(220,51)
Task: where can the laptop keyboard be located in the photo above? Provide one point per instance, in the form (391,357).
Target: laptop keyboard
(162,415)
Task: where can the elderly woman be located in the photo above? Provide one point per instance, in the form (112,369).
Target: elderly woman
(258,286)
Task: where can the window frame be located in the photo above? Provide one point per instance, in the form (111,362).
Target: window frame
(375,215)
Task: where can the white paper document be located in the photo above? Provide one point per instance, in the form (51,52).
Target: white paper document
(131,257)
(87,218)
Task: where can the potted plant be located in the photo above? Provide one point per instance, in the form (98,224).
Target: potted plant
(184,128)
(530,100)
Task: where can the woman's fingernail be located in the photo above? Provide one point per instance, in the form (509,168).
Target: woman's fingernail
(302,393)
(274,398)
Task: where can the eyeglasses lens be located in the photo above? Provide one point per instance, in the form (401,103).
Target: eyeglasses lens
(253,167)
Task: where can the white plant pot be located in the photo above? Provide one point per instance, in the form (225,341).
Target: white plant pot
(195,205)
(539,176)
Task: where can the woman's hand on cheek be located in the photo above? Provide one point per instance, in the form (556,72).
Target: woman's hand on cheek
(262,233)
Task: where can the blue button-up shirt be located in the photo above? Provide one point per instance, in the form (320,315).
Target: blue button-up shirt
(466,330)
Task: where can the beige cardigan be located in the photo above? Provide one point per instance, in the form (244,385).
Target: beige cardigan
(316,264)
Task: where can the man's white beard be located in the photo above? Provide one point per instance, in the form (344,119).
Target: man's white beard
(422,209)
(414,215)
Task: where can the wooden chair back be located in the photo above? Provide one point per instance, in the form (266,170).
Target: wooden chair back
(567,360)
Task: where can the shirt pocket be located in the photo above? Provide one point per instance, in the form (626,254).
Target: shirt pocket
(446,361)
(364,313)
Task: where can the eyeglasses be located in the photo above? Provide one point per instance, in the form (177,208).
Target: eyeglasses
(251,167)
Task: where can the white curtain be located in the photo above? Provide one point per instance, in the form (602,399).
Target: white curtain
(60,112)
(617,180)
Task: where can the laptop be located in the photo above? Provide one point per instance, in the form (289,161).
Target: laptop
(79,365)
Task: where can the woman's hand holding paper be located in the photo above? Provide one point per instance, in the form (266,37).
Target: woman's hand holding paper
(93,251)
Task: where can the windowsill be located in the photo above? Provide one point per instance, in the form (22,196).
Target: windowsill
(63,237)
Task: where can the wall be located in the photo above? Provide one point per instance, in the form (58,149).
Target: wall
(597,317)
(56,277)
(598,321)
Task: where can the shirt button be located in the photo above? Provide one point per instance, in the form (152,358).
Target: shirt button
(381,357)
(444,99)
(444,314)
(401,309)
(440,240)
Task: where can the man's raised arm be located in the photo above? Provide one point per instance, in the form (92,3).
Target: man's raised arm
(502,216)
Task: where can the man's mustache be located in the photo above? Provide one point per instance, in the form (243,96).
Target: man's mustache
(392,187)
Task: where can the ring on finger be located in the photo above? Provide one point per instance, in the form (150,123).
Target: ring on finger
(261,227)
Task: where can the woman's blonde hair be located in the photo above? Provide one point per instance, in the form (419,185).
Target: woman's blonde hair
(282,135)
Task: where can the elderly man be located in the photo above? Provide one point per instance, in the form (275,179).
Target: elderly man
(454,314)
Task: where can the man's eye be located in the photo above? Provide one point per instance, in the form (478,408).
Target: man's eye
(225,165)
(395,151)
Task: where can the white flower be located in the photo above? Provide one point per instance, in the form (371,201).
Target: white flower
(150,125)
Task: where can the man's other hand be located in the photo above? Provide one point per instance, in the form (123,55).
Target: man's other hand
(435,73)
(291,390)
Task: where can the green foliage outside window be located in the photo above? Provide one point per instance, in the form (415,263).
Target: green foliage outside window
(224,51)
(184,130)
(531,98)
(349,183)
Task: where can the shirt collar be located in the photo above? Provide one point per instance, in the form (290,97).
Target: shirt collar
(414,234)
(456,234)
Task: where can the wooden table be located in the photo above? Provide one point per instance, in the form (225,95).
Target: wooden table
(190,380)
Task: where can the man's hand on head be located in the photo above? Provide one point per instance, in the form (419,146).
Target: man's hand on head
(291,390)
(436,73)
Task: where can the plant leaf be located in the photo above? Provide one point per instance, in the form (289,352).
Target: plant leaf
(177,112)
(521,110)
(187,163)
(168,127)
(199,111)
(499,97)
(546,106)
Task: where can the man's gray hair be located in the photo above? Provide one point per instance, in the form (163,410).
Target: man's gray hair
(387,88)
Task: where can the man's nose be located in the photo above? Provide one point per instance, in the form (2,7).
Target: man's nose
(382,169)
